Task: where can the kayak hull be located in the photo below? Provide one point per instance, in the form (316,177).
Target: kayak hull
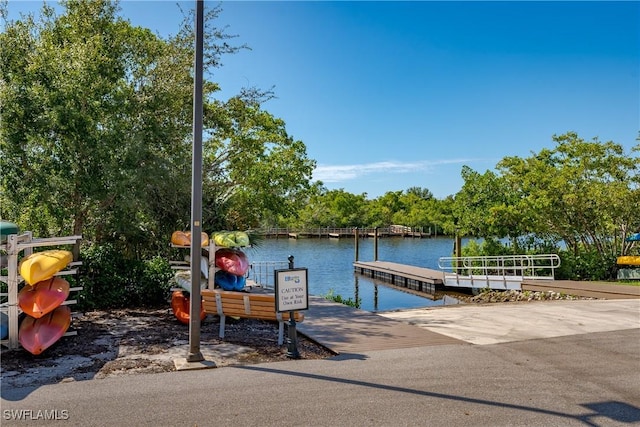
(628,260)
(4,326)
(183,279)
(183,238)
(181,306)
(232,261)
(231,239)
(230,282)
(43,265)
(37,335)
(43,297)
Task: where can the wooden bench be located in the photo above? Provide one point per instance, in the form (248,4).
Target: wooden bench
(246,305)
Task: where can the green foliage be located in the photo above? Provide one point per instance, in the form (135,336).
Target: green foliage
(112,281)
(339,299)
(584,193)
(333,208)
(97,130)
(486,247)
(586,264)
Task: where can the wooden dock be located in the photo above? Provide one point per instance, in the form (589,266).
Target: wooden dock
(349,232)
(406,276)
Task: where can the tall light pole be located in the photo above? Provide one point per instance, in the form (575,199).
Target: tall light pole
(195,355)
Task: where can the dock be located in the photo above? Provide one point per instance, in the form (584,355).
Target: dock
(348,232)
(407,276)
(426,280)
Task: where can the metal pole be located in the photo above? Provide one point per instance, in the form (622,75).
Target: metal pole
(196,192)
(292,341)
(355,232)
(375,244)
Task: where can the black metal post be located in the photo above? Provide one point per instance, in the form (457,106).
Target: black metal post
(375,244)
(355,232)
(292,340)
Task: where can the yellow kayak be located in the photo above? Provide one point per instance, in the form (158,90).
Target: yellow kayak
(44,265)
(628,260)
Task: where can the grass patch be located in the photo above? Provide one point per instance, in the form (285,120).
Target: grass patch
(339,299)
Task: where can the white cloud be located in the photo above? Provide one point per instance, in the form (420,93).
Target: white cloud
(340,173)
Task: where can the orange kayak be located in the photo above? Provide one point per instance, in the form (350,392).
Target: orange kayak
(183,238)
(44,265)
(37,335)
(43,297)
(181,306)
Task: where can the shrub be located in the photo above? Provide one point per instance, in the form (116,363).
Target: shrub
(110,280)
(339,299)
(585,265)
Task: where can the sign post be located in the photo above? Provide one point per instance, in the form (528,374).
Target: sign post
(292,295)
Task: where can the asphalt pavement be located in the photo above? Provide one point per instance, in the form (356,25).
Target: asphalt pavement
(563,363)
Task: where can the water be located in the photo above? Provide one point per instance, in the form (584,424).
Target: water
(330,266)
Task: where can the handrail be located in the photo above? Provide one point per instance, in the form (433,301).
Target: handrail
(263,272)
(541,266)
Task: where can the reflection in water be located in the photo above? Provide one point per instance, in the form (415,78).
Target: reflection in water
(375,297)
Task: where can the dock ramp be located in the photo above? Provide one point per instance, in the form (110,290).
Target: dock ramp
(505,272)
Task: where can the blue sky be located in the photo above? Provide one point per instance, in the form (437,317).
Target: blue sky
(392,95)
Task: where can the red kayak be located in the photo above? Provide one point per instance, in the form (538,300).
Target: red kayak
(37,335)
(181,307)
(232,261)
(43,297)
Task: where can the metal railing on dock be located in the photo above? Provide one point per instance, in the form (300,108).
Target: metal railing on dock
(497,272)
(263,272)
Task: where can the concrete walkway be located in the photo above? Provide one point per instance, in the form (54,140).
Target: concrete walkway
(507,322)
(347,330)
(344,329)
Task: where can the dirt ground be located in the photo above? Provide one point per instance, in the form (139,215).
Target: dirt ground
(139,341)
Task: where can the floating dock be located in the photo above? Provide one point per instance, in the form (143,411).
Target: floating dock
(407,276)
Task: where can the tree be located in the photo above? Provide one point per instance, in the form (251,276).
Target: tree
(382,209)
(253,167)
(585,193)
(97,129)
(422,193)
(334,208)
(481,207)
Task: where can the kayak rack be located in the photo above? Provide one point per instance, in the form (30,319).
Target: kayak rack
(15,244)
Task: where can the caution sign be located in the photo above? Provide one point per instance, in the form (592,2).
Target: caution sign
(291,290)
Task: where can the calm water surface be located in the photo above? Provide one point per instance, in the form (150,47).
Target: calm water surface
(330,265)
